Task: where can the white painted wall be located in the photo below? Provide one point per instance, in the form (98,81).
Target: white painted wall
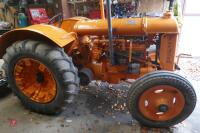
(192,7)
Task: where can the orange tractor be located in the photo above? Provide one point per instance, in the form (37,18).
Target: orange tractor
(45,64)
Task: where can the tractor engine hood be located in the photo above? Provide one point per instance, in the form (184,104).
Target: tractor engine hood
(129,26)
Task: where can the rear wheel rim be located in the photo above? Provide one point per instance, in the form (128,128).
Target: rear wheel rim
(161,103)
(35,80)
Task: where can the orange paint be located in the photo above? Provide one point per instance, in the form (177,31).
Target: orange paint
(151,99)
(85,40)
(35,81)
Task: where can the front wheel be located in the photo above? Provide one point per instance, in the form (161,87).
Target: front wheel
(41,75)
(161,99)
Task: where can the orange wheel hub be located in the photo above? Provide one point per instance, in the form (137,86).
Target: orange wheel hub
(161,103)
(35,80)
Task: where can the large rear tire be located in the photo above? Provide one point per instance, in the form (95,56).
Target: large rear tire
(41,75)
(161,99)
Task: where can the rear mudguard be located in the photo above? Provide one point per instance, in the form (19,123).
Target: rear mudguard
(42,32)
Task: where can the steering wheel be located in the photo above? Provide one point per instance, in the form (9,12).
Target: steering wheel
(57,18)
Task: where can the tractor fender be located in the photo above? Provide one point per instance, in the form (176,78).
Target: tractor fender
(48,33)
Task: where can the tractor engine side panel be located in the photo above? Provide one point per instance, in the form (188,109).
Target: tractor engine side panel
(168,51)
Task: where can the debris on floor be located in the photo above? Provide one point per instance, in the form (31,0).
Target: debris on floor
(191,68)
(13,122)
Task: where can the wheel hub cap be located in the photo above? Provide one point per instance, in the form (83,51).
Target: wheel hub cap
(163,108)
(40,77)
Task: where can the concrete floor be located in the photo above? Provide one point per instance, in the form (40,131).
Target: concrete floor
(96,113)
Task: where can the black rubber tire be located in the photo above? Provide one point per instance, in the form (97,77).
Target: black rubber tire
(161,72)
(161,78)
(4,90)
(56,60)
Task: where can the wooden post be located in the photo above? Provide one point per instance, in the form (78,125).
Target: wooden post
(65,9)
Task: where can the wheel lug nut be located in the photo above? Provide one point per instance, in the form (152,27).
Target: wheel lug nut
(163,108)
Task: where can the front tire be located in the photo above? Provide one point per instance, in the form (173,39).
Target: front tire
(42,76)
(161,99)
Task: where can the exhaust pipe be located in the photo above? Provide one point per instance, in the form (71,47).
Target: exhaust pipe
(102,9)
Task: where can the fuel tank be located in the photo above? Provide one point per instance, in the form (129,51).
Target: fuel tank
(128,26)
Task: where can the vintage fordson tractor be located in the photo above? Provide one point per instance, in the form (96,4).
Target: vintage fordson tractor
(44,64)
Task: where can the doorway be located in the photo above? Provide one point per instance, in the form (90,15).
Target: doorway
(191,8)
(189,40)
